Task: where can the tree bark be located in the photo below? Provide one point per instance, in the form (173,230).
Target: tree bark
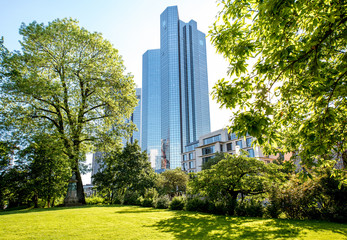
(80,191)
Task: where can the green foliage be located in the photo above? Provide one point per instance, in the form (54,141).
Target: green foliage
(177,203)
(172,182)
(322,196)
(292,96)
(212,161)
(197,204)
(94,200)
(149,197)
(131,198)
(162,202)
(128,170)
(68,82)
(232,176)
(250,208)
(48,168)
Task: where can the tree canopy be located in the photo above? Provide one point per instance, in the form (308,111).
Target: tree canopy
(294,96)
(234,175)
(70,82)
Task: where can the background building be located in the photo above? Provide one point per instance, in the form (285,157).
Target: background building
(151,107)
(199,152)
(185,113)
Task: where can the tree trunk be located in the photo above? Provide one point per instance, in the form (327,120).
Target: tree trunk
(53,200)
(49,201)
(80,191)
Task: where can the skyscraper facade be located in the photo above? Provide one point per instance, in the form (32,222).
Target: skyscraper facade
(136,118)
(183,85)
(151,106)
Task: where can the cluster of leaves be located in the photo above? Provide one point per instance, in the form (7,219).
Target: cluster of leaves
(41,172)
(293,98)
(234,176)
(125,170)
(322,196)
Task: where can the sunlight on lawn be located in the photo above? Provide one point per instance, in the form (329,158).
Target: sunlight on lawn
(130,222)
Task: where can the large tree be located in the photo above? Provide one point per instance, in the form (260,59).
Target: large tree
(293,96)
(70,82)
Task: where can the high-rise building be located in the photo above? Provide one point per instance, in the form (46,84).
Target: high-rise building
(185,113)
(136,118)
(151,106)
(184,83)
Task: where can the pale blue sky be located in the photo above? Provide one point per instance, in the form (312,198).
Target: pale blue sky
(132,26)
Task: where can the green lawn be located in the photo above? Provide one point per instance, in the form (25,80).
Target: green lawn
(130,222)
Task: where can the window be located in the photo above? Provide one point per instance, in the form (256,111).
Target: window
(208,150)
(184,157)
(239,143)
(229,146)
(184,166)
(191,165)
(191,156)
(191,147)
(221,148)
(232,136)
(249,142)
(251,152)
(212,139)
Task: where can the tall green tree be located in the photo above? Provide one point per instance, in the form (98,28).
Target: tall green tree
(294,97)
(70,82)
(125,170)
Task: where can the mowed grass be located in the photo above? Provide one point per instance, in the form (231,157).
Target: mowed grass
(131,222)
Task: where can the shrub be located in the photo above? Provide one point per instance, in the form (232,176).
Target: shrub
(197,204)
(250,208)
(217,208)
(95,200)
(177,203)
(162,202)
(145,202)
(131,198)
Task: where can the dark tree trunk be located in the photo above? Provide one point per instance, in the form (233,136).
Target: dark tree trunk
(80,191)
(49,201)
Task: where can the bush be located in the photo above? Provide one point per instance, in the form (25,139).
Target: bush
(217,208)
(95,200)
(197,204)
(145,202)
(177,203)
(162,202)
(249,208)
(131,198)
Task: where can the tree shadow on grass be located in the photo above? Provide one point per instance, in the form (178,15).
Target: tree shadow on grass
(203,226)
(31,210)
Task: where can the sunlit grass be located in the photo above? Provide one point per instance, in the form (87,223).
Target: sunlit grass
(130,222)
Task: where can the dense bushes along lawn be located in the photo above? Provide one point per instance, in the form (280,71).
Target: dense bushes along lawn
(133,222)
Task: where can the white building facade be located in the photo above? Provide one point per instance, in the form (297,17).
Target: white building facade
(199,152)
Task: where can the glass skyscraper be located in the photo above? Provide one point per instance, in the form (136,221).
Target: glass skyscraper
(151,106)
(136,119)
(185,113)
